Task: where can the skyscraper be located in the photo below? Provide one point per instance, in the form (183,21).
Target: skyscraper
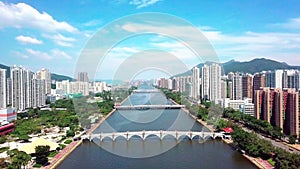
(215,82)
(258,82)
(45,74)
(195,84)
(237,87)
(3,88)
(247,84)
(291,120)
(279,108)
(26,88)
(205,80)
(82,77)
(17,75)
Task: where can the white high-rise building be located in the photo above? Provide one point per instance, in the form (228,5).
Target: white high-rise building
(237,86)
(223,89)
(26,89)
(278,78)
(38,91)
(215,82)
(45,74)
(196,84)
(3,88)
(17,75)
(28,76)
(205,80)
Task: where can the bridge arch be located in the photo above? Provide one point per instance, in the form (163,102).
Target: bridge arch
(150,136)
(168,136)
(135,136)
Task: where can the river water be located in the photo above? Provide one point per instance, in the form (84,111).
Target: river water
(153,153)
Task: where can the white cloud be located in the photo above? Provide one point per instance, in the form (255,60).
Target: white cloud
(54,53)
(293,23)
(20,55)
(39,54)
(60,54)
(22,15)
(95,22)
(277,45)
(61,40)
(143,3)
(27,39)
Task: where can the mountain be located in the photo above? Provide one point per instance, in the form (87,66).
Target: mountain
(58,77)
(54,76)
(253,66)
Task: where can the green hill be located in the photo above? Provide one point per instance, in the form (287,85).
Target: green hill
(54,76)
(253,66)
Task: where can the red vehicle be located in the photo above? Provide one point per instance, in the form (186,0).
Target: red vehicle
(5,129)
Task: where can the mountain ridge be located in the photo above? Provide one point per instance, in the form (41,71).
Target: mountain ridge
(54,76)
(252,66)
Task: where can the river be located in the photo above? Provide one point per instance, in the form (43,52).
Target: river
(153,153)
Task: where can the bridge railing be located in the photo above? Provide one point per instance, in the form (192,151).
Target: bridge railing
(160,134)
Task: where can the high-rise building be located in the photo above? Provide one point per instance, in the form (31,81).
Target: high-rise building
(278,78)
(82,77)
(223,89)
(8,92)
(17,75)
(24,88)
(205,80)
(247,85)
(45,74)
(258,82)
(230,89)
(215,82)
(237,86)
(211,82)
(195,84)
(291,119)
(38,91)
(3,88)
(279,108)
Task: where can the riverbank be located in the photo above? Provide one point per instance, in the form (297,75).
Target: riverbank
(61,156)
(259,163)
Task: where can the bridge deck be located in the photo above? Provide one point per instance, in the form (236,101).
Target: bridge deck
(131,107)
(160,134)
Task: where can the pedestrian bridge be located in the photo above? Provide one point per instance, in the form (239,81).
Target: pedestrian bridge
(147,91)
(177,135)
(142,107)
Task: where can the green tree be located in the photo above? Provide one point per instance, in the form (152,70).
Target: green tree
(42,153)
(70,133)
(292,139)
(3,139)
(221,124)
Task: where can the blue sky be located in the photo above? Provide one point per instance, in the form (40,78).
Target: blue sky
(52,34)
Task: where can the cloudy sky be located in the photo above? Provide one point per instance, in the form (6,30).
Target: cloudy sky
(52,34)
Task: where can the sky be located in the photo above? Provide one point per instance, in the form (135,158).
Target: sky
(52,34)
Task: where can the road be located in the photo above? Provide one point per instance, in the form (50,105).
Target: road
(275,143)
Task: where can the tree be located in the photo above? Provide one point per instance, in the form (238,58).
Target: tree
(221,124)
(2,139)
(292,139)
(18,159)
(70,133)
(42,153)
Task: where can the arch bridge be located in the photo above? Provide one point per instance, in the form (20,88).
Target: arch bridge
(160,134)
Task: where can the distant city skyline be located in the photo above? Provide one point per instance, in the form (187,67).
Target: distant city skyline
(46,34)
